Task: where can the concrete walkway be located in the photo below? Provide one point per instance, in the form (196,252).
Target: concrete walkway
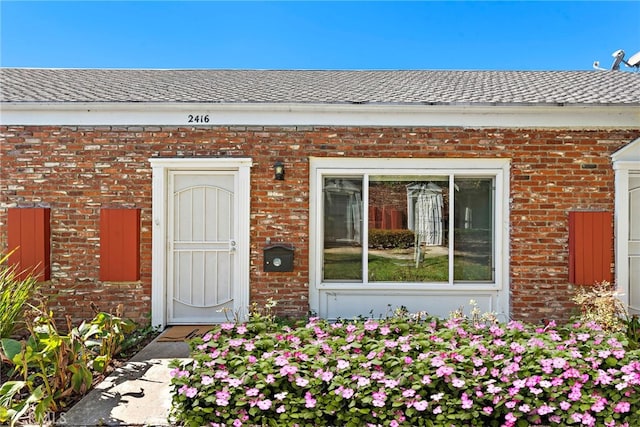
(136,394)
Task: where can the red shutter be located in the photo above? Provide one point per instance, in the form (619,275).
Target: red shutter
(29,235)
(590,247)
(120,245)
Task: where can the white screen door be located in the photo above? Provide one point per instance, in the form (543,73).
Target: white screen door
(202,244)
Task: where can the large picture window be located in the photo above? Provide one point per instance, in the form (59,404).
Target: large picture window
(418,228)
(408,226)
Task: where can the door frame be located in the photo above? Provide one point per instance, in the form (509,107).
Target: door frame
(160,186)
(625,161)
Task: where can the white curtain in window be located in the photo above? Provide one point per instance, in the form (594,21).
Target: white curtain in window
(428,219)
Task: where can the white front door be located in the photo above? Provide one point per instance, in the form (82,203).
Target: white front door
(634,243)
(200,240)
(202,246)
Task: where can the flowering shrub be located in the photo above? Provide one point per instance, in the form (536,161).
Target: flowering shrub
(403,371)
(601,303)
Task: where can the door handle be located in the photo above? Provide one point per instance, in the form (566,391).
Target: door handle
(232,246)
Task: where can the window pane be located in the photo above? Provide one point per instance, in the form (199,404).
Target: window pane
(408,229)
(342,223)
(473,232)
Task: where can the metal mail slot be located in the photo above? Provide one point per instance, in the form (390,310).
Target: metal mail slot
(278,257)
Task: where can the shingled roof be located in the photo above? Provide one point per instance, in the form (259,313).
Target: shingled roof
(18,85)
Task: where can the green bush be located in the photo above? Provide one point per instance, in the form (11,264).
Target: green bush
(385,239)
(50,367)
(408,371)
(15,292)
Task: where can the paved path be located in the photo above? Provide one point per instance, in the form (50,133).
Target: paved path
(136,394)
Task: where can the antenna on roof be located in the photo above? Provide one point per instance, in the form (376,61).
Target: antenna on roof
(618,58)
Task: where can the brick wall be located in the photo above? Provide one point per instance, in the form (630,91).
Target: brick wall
(78,170)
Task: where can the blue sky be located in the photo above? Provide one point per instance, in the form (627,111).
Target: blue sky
(472,35)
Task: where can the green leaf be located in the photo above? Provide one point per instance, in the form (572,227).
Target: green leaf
(10,348)
(100,364)
(4,414)
(81,377)
(8,390)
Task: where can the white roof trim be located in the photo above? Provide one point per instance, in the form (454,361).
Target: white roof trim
(292,114)
(628,153)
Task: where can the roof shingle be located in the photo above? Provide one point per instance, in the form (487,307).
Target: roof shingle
(325,87)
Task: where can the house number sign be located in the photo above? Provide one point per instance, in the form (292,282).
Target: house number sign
(198,118)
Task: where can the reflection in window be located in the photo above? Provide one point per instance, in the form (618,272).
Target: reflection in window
(407,230)
(342,228)
(473,254)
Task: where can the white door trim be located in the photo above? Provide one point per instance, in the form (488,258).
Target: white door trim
(160,181)
(625,161)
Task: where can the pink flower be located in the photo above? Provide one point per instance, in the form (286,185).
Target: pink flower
(466,402)
(342,364)
(327,376)
(270,379)
(206,380)
(310,402)
(444,371)
(545,409)
(347,393)
(409,392)
(421,405)
(437,361)
(363,382)
(370,325)
(264,404)
(599,405)
(227,326)
(492,389)
(222,398)
(517,348)
(390,383)
(457,383)
(179,373)
(252,392)
(281,409)
(437,410)
(622,407)
(221,374)
(524,408)
(288,370)
(379,395)
(487,410)
(191,392)
(233,382)
(301,382)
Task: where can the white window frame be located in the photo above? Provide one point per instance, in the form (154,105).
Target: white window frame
(497,168)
